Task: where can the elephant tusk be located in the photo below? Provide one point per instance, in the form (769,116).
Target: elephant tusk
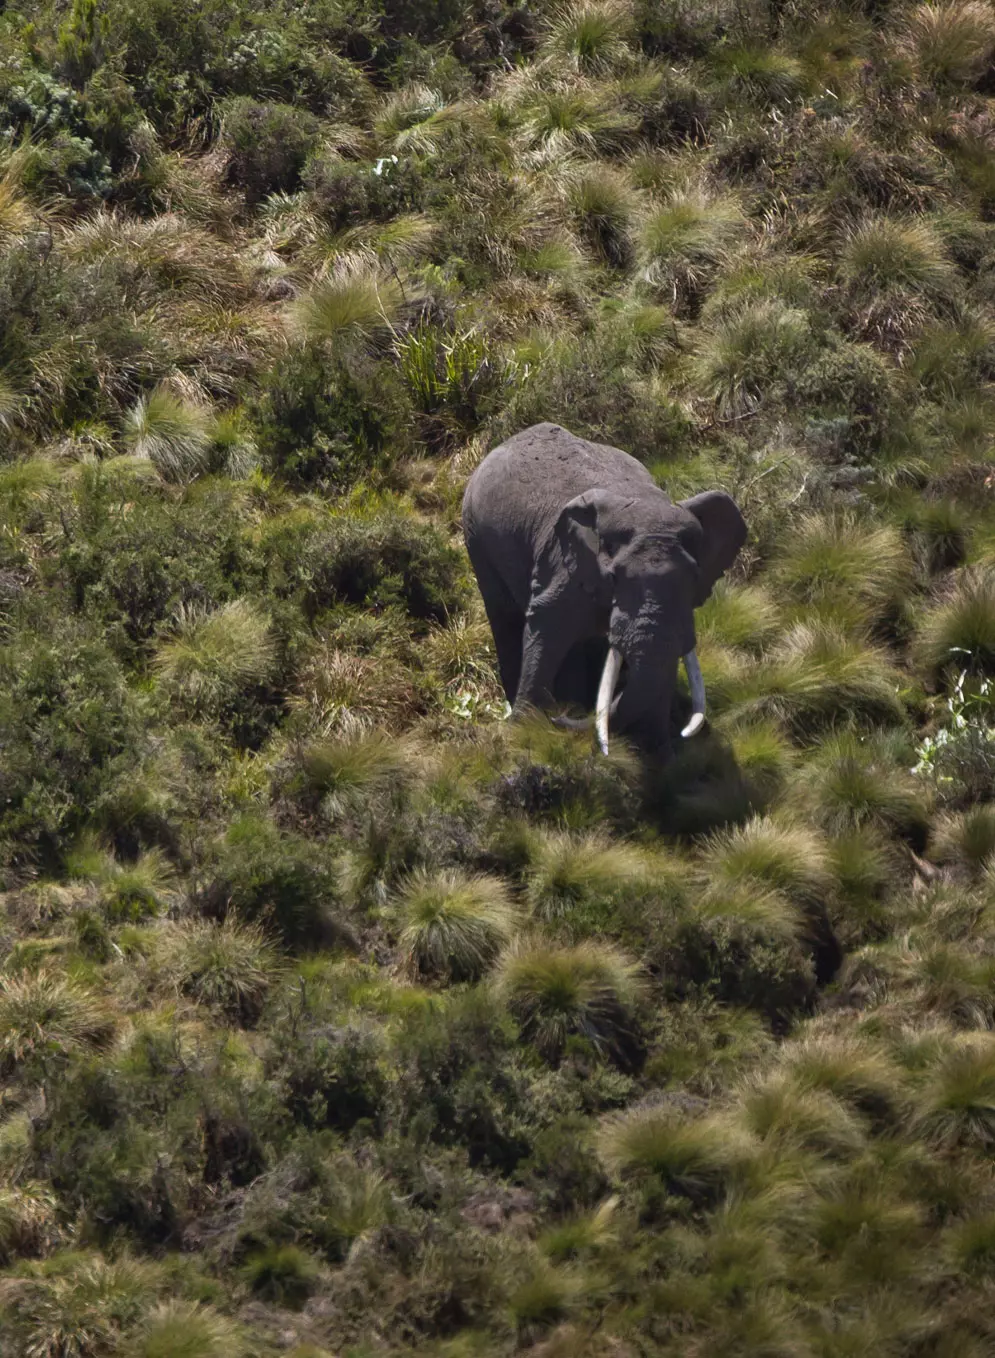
(697,686)
(606,691)
(573,723)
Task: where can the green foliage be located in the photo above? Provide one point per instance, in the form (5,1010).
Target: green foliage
(278,1026)
(267,145)
(325,423)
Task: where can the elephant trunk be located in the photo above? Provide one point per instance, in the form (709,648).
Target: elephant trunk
(606,692)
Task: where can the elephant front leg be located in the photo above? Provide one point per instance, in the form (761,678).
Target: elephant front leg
(549,634)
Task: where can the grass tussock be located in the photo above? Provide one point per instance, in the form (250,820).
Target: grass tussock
(454,927)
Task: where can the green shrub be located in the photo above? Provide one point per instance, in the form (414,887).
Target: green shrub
(957,1105)
(965,838)
(267,145)
(951,44)
(331,1078)
(325,423)
(754,355)
(686,241)
(387,558)
(454,926)
(853,781)
(67,723)
(282,881)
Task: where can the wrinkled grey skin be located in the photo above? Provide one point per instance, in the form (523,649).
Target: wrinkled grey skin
(575,547)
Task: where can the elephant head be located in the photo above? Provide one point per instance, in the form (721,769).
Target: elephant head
(647,564)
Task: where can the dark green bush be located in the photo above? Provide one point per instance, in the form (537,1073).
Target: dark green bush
(67,719)
(132,571)
(323,424)
(390,558)
(285,882)
(331,1077)
(267,144)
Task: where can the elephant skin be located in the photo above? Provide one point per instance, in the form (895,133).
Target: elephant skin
(577,550)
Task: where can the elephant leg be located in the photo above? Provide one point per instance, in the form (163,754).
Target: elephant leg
(507,630)
(546,641)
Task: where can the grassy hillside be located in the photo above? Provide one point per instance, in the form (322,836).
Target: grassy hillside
(338,1016)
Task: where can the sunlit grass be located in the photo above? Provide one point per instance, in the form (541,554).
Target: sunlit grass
(589,991)
(454,925)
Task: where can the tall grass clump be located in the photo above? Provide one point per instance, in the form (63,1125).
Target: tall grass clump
(182,1329)
(173,434)
(590,36)
(753,354)
(46,1018)
(958,631)
(228,967)
(696,1158)
(841,567)
(685,241)
(896,276)
(589,991)
(351,303)
(213,656)
(454,925)
(950,44)
(816,676)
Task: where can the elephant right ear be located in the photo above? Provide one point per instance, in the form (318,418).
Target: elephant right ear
(573,550)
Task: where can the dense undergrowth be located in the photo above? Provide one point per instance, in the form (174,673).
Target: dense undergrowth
(336,1015)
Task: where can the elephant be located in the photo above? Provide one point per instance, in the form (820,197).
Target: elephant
(590,577)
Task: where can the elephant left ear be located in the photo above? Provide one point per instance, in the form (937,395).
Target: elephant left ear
(723,535)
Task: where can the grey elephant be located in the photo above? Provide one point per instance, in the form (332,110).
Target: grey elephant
(590,577)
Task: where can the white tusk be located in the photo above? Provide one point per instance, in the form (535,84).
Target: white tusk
(697,686)
(606,691)
(574,723)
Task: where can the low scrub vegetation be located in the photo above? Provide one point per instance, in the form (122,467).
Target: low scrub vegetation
(338,1016)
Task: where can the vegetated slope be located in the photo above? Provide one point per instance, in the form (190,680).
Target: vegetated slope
(335,1014)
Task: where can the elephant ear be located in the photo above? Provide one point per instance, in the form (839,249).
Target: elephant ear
(723,535)
(573,550)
